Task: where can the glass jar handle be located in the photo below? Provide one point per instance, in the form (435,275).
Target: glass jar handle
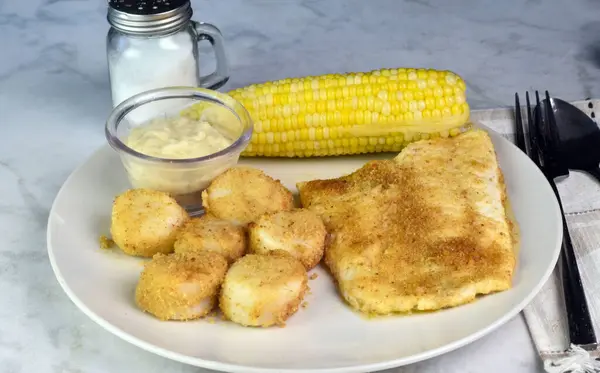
(215,80)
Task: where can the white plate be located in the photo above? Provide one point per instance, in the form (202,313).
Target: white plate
(326,336)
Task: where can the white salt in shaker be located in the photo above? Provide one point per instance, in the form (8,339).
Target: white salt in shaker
(154,44)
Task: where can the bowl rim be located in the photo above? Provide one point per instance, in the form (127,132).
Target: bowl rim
(200,94)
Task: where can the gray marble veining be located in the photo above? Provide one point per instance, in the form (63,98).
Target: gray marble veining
(54,98)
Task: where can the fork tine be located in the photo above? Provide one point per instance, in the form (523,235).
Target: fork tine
(519,135)
(539,123)
(533,132)
(553,158)
(551,126)
(530,139)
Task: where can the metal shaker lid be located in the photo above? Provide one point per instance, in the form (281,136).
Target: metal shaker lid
(148,17)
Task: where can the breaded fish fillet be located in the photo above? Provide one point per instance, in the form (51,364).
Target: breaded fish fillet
(424,231)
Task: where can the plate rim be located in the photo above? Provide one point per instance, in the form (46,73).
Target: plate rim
(236,368)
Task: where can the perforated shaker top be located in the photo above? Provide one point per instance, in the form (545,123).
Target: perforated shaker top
(149,17)
(146,7)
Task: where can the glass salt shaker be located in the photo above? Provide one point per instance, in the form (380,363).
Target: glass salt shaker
(154,44)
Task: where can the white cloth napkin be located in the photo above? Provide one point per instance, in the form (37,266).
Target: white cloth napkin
(545,315)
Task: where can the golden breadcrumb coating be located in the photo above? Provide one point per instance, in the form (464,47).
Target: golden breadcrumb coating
(145,222)
(300,232)
(424,231)
(180,286)
(208,233)
(242,194)
(263,290)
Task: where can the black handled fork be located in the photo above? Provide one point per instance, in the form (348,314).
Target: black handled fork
(542,147)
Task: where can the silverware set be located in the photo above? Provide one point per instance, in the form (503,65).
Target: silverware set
(555,148)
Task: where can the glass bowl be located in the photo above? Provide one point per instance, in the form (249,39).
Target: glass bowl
(186,178)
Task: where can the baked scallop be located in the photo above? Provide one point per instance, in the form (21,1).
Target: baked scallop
(263,290)
(145,222)
(181,286)
(242,194)
(209,233)
(299,232)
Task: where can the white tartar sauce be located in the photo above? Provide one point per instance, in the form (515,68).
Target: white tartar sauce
(177,138)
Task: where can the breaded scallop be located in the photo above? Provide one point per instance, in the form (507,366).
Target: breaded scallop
(242,194)
(300,232)
(209,233)
(145,222)
(180,286)
(263,290)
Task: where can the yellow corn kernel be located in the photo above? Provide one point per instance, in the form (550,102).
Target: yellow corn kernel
(381,110)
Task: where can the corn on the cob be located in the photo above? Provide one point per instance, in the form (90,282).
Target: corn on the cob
(382,110)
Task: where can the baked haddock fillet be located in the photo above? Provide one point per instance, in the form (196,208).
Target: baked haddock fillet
(424,231)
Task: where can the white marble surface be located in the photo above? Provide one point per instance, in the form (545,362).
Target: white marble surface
(54,98)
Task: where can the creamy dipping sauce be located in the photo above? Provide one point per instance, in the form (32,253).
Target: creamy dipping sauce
(177,138)
(182,137)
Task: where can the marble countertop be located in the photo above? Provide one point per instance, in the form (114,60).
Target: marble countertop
(54,98)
